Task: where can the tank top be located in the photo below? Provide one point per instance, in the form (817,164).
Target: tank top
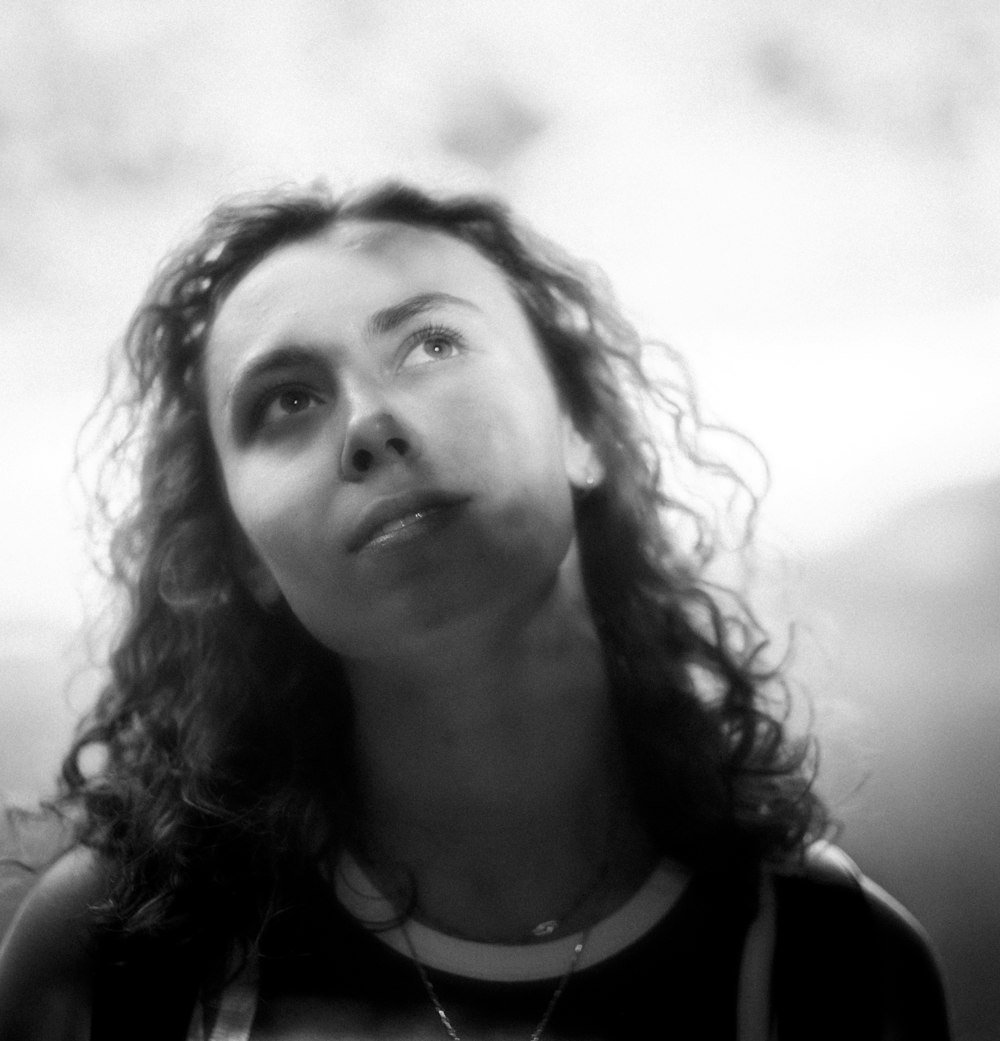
(518,967)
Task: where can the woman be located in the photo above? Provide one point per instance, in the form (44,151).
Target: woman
(425,720)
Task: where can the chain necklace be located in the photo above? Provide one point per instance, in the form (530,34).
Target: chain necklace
(443,1016)
(547,927)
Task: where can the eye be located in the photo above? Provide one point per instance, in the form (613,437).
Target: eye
(430,345)
(283,403)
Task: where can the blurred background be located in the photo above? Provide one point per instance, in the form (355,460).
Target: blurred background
(802,197)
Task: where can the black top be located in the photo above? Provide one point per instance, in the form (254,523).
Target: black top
(681,975)
(846,965)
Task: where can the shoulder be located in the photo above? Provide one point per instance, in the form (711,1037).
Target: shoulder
(47,958)
(828,879)
(831,915)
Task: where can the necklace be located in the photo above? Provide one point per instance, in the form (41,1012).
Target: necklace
(542,930)
(549,926)
(546,1015)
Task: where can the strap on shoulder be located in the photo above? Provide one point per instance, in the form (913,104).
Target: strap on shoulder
(230,1017)
(753,1007)
(822,862)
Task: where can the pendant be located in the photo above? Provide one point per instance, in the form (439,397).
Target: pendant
(545,928)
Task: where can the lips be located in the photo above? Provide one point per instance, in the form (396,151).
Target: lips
(399,516)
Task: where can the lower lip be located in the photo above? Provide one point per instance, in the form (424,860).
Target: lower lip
(417,525)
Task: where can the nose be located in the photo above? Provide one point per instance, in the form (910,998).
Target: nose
(374,438)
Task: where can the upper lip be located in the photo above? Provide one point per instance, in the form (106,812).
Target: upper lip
(396,507)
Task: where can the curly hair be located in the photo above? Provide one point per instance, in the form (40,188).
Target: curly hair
(215,805)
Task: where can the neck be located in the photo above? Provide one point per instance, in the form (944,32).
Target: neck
(492,778)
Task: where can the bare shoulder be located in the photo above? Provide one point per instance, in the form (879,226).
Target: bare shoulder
(47,958)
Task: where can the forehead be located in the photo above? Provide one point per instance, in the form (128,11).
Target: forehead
(356,266)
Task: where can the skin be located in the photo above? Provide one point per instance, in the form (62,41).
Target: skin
(472,415)
(489,769)
(486,746)
(47,958)
(487,753)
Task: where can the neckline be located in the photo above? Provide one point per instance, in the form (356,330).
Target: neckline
(501,962)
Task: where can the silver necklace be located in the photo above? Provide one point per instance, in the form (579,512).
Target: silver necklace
(542,929)
(546,1015)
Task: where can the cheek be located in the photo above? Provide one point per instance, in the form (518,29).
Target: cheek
(277,510)
(510,423)
(510,453)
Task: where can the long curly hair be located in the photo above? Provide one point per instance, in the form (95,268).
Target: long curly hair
(224,783)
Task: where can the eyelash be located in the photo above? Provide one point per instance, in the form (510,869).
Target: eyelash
(413,343)
(269,397)
(431,332)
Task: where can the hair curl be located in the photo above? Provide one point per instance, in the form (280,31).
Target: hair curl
(214,804)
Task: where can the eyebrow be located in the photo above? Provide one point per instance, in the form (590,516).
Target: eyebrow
(390,318)
(380,323)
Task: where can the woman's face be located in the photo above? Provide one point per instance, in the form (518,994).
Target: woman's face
(390,438)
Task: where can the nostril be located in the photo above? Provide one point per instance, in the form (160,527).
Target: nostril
(362,460)
(398,445)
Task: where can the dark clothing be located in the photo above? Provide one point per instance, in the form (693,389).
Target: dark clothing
(846,965)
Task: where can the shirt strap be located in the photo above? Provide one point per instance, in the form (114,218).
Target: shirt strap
(229,1017)
(753,1008)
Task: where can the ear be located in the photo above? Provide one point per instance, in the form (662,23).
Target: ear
(583,465)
